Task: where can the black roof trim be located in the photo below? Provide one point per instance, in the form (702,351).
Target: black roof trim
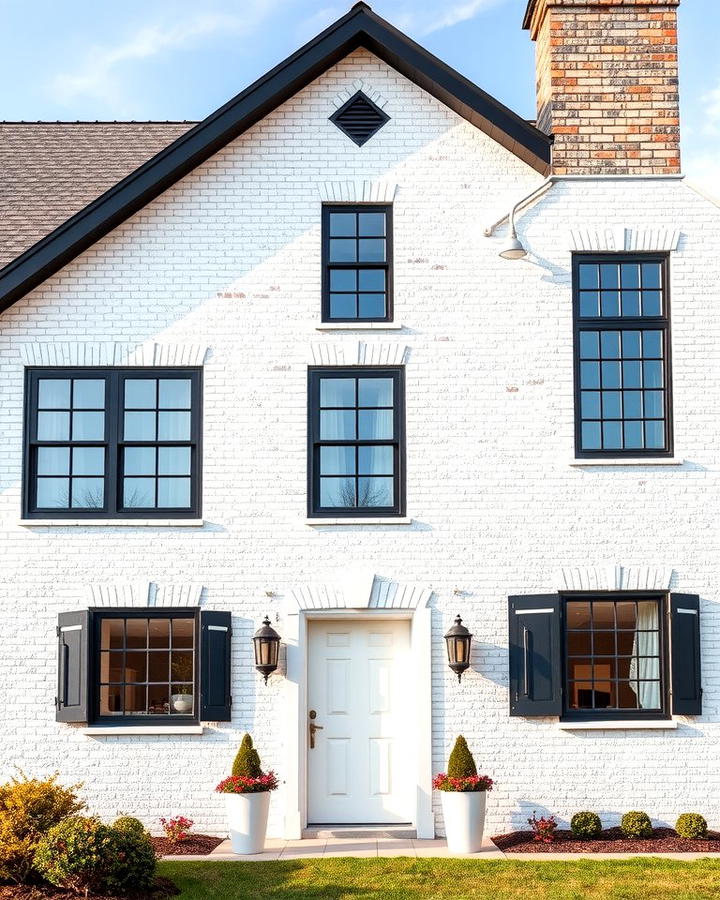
(527,18)
(360,27)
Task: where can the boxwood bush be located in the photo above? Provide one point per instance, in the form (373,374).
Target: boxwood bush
(636,824)
(586,825)
(691,825)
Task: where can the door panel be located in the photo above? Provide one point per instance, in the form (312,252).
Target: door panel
(360,769)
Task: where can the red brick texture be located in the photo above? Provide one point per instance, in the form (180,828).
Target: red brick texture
(607,84)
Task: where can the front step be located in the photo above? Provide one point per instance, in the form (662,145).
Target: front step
(399,832)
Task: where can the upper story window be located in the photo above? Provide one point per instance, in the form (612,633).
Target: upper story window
(357,263)
(112,442)
(622,356)
(356,433)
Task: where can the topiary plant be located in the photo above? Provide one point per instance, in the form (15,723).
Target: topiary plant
(461,763)
(29,807)
(247,761)
(586,825)
(131,824)
(636,824)
(691,825)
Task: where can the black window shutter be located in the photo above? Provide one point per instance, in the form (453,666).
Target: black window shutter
(535,671)
(71,703)
(685,653)
(215,641)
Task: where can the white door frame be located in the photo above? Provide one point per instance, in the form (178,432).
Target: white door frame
(296,682)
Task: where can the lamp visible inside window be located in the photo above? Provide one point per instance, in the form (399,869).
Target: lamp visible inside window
(458,641)
(267,648)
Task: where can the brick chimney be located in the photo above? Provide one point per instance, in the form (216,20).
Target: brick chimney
(607,84)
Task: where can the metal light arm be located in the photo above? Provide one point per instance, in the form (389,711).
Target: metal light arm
(534,195)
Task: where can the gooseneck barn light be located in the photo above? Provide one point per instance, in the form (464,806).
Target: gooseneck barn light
(267,649)
(458,641)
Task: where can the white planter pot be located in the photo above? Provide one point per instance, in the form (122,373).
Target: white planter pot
(464,814)
(181,703)
(247,821)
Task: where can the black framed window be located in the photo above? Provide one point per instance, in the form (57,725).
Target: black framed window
(145,666)
(112,442)
(614,656)
(622,356)
(356,434)
(357,263)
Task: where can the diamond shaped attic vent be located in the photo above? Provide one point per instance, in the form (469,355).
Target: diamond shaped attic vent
(359,118)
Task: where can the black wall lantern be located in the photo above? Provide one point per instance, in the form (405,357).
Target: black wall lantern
(267,649)
(458,641)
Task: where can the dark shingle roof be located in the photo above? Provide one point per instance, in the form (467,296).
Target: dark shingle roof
(50,170)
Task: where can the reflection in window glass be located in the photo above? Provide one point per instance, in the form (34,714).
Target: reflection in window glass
(613,655)
(622,379)
(147,666)
(357,266)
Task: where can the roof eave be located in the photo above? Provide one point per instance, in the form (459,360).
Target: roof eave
(359,27)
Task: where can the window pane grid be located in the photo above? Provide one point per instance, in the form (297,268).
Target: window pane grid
(356,261)
(82,423)
(613,655)
(355,448)
(69,445)
(621,352)
(138,678)
(156,411)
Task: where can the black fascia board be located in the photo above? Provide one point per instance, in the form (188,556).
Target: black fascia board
(360,27)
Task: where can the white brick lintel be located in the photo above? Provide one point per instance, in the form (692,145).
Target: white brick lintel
(357,191)
(614,578)
(359,85)
(361,590)
(112,353)
(144,593)
(622,239)
(357,353)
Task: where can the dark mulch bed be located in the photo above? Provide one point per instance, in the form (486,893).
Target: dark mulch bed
(199,844)
(163,888)
(612,840)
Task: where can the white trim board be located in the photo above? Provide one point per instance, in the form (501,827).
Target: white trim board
(295,687)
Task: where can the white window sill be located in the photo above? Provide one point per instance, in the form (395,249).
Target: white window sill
(620,725)
(377,521)
(113,523)
(101,731)
(359,326)
(650,461)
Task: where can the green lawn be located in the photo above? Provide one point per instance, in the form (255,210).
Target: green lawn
(401,878)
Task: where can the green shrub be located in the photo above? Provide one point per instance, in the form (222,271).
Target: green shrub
(77,854)
(636,824)
(691,825)
(132,863)
(131,824)
(247,761)
(461,763)
(81,854)
(586,825)
(29,807)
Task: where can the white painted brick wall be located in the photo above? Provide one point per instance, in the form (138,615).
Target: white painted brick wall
(230,257)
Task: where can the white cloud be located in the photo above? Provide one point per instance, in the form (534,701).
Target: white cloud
(703,170)
(96,76)
(424,18)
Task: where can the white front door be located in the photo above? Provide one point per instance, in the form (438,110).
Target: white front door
(360,688)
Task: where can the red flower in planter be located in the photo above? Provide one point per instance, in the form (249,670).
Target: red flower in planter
(443,782)
(242,784)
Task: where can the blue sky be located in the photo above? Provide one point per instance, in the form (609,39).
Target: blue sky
(180,59)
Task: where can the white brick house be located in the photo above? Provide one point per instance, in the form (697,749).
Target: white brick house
(205,412)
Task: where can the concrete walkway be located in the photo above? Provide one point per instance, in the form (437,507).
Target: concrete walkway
(375,847)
